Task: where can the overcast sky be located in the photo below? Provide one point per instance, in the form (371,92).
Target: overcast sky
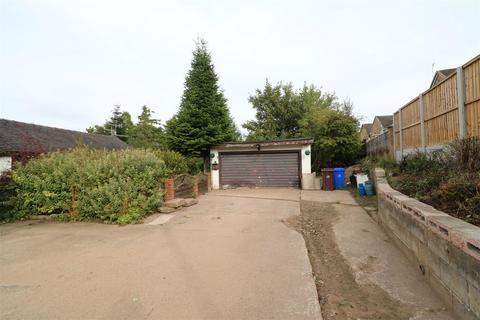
(66,63)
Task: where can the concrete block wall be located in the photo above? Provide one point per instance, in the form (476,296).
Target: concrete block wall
(445,249)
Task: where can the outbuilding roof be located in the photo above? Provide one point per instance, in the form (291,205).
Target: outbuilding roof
(24,137)
(264,143)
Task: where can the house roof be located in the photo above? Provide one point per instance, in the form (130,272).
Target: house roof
(249,144)
(367,126)
(386,121)
(441,75)
(26,137)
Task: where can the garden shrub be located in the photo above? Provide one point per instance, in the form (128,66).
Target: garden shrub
(7,198)
(195,165)
(112,186)
(175,162)
(448,179)
(369,163)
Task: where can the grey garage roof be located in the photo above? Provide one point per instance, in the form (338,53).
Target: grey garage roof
(265,143)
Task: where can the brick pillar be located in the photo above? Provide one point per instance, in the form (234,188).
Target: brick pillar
(195,186)
(169,190)
(209,181)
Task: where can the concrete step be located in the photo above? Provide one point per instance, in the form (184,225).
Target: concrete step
(190,202)
(175,203)
(166,210)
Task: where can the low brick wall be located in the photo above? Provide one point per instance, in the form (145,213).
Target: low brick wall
(446,249)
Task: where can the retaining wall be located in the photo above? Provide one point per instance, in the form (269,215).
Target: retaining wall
(446,249)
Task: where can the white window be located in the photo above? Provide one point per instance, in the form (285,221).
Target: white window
(5,164)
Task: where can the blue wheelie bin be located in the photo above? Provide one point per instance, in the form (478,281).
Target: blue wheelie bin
(339,178)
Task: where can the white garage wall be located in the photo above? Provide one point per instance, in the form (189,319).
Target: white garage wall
(215,173)
(306,160)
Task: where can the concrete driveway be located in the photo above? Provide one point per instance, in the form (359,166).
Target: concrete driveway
(229,257)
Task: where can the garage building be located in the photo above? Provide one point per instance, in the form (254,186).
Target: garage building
(280,163)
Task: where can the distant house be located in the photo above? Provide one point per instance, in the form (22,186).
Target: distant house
(365,132)
(380,125)
(21,141)
(441,75)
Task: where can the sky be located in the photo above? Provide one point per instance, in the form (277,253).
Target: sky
(66,63)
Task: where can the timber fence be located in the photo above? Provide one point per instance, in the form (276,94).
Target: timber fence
(186,186)
(443,113)
(381,146)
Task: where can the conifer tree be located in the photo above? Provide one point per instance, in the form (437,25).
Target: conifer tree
(120,124)
(203,118)
(147,133)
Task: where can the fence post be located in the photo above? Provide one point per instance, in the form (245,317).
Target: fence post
(169,190)
(195,186)
(400,133)
(462,121)
(209,181)
(421,106)
(394,140)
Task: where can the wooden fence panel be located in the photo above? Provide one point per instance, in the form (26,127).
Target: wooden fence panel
(471,72)
(441,98)
(202,183)
(411,113)
(441,122)
(411,124)
(381,145)
(183,185)
(441,112)
(442,129)
(472,113)
(411,137)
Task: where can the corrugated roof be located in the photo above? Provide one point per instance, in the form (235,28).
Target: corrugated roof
(18,136)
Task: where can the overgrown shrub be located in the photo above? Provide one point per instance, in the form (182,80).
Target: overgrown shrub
(448,179)
(7,198)
(113,186)
(175,162)
(463,154)
(369,163)
(195,165)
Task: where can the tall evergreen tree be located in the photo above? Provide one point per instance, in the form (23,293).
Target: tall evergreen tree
(147,133)
(203,118)
(120,124)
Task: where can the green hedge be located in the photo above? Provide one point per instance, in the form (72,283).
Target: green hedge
(83,184)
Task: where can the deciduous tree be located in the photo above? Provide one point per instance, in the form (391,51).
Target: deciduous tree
(283,112)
